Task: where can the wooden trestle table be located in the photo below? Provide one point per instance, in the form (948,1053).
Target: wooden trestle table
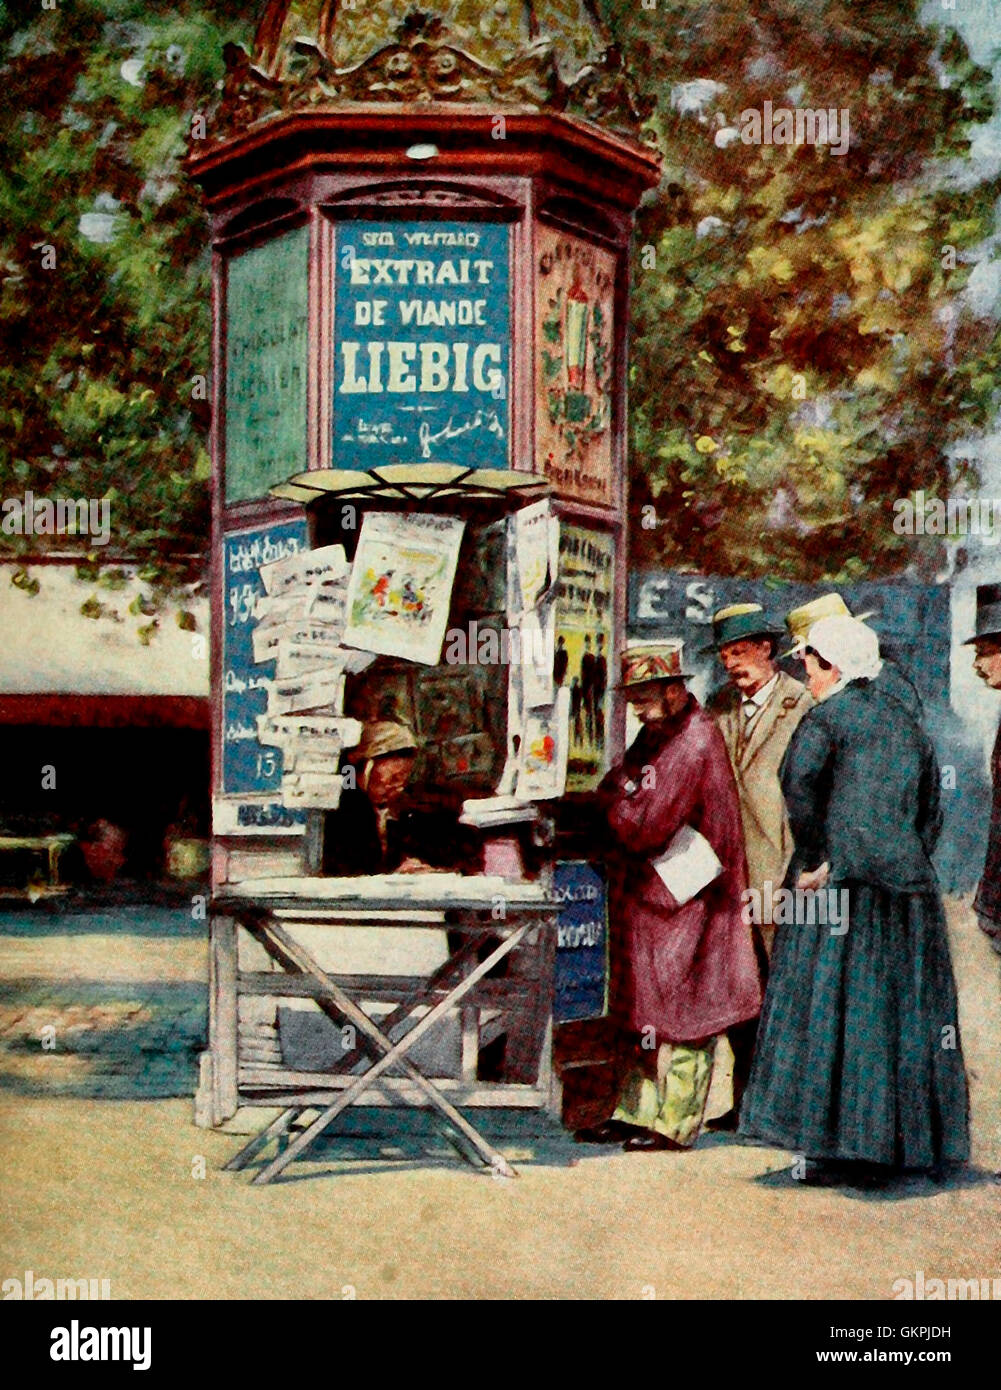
(491,917)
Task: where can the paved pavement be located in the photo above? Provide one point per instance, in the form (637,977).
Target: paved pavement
(105,1176)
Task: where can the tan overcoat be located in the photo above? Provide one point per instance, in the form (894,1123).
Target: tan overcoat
(755,760)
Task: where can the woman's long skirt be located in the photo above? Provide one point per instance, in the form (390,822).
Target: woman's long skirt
(858,1052)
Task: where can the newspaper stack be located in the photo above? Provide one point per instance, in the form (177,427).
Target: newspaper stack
(300,623)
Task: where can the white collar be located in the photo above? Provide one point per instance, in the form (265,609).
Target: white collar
(838,685)
(760,697)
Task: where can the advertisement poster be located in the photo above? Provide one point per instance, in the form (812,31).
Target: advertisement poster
(574,366)
(422,331)
(266,354)
(581,986)
(401,585)
(583,645)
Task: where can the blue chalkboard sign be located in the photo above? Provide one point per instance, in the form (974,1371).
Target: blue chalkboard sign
(249,769)
(422,330)
(580,895)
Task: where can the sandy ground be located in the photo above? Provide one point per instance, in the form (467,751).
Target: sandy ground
(114,1189)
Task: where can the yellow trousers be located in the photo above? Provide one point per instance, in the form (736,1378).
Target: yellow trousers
(672,1101)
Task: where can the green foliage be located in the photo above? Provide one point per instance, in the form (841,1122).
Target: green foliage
(800,355)
(100,349)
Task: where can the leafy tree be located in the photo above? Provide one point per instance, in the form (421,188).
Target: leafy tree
(802,353)
(105,297)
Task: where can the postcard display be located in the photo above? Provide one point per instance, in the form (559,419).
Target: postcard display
(419,379)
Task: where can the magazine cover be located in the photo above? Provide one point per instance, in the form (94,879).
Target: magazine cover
(401,584)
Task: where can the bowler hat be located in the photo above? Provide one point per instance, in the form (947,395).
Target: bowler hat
(988,613)
(740,621)
(800,620)
(645,662)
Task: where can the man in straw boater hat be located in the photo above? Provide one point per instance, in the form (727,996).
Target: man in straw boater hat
(986,643)
(757,712)
(684,968)
(892,681)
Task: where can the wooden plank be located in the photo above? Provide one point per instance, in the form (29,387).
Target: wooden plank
(277,1126)
(259,983)
(392,1091)
(470,1042)
(259,1076)
(262,982)
(549,1081)
(383,893)
(358,917)
(223,1022)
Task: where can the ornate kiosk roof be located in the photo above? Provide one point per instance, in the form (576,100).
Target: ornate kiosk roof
(553,55)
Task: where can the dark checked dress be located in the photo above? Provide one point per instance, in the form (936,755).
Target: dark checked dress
(858,1054)
(988,899)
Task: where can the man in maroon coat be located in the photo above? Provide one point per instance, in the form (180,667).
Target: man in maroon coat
(685,970)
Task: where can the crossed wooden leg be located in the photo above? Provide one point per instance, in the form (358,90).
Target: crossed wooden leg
(284,948)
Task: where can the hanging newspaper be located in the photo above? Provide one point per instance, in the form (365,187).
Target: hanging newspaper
(534,557)
(327,567)
(542,775)
(310,691)
(294,658)
(401,585)
(536,652)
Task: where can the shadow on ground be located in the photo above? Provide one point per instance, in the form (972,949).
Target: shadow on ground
(377,1140)
(93,1040)
(907,1187)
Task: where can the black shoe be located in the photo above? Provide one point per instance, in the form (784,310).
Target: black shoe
(649,1142)
(724,1124)
(608,1132)
(842,1173)
(818,1173)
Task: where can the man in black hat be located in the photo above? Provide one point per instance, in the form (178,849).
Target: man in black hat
(986,643)
(757,712)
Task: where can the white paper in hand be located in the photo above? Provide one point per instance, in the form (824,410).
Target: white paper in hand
(687,865)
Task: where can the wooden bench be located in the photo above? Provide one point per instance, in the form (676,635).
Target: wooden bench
(51,846)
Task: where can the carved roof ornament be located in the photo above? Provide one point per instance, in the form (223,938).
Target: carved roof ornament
(542,54)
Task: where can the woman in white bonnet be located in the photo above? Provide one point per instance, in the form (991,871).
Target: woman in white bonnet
(844,645)
(858,1065)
